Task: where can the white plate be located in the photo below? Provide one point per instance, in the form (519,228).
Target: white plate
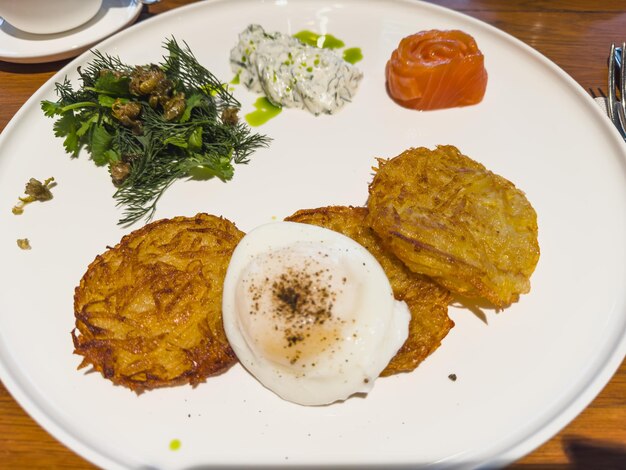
(522,374)
(26,48)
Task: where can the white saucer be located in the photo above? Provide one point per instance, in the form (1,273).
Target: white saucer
(26,48)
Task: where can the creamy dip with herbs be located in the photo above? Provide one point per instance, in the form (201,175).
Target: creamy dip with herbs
(293,74)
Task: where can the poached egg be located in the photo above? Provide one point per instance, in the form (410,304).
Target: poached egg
(310,313)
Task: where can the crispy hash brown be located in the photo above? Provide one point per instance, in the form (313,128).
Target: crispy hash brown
(446,216)
(148,311)
(427,301)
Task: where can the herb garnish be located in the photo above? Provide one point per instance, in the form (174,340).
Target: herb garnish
(35,191)
(152,124)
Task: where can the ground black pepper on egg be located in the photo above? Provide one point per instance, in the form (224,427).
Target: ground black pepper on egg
(301,298)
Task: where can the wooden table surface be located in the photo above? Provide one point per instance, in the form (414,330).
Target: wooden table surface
(576,35)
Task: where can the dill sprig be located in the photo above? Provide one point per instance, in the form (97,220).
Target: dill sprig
(152,124)
(182,65)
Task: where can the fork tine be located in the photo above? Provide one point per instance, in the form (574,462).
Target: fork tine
(622,90)
(611,99)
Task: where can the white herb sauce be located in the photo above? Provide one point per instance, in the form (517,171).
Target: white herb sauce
(293,74)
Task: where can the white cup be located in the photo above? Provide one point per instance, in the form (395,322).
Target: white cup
(48,16)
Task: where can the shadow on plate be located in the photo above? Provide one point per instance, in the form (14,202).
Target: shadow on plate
(476,306)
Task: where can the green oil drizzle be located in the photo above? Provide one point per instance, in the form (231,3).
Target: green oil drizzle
(212,90)
(175,444)
(327,41)
(264,112)
(352,55)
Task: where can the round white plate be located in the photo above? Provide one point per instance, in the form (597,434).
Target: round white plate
(522,374)
(26,48)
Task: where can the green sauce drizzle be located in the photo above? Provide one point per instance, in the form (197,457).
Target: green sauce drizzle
(264,112)
(175,444)
(352,55)
(327,41)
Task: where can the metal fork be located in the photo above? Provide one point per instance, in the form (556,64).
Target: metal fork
(615,108)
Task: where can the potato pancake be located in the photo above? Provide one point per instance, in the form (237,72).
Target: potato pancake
(446,216)
(427,301)
(149,311)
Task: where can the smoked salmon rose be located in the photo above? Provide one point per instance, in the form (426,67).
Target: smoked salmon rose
(437,69)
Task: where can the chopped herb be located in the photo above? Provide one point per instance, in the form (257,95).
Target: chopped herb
(152,124)
(35,191)
(23,243)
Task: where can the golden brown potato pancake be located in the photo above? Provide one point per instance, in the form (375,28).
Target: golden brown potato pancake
(446,216)
(149,311)
(427,301)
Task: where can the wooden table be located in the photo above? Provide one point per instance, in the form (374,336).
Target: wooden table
(576,35)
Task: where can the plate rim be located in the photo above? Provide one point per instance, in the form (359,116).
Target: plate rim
(134,8)
(543,432)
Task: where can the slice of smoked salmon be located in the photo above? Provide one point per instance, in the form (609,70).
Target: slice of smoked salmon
(437,69)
